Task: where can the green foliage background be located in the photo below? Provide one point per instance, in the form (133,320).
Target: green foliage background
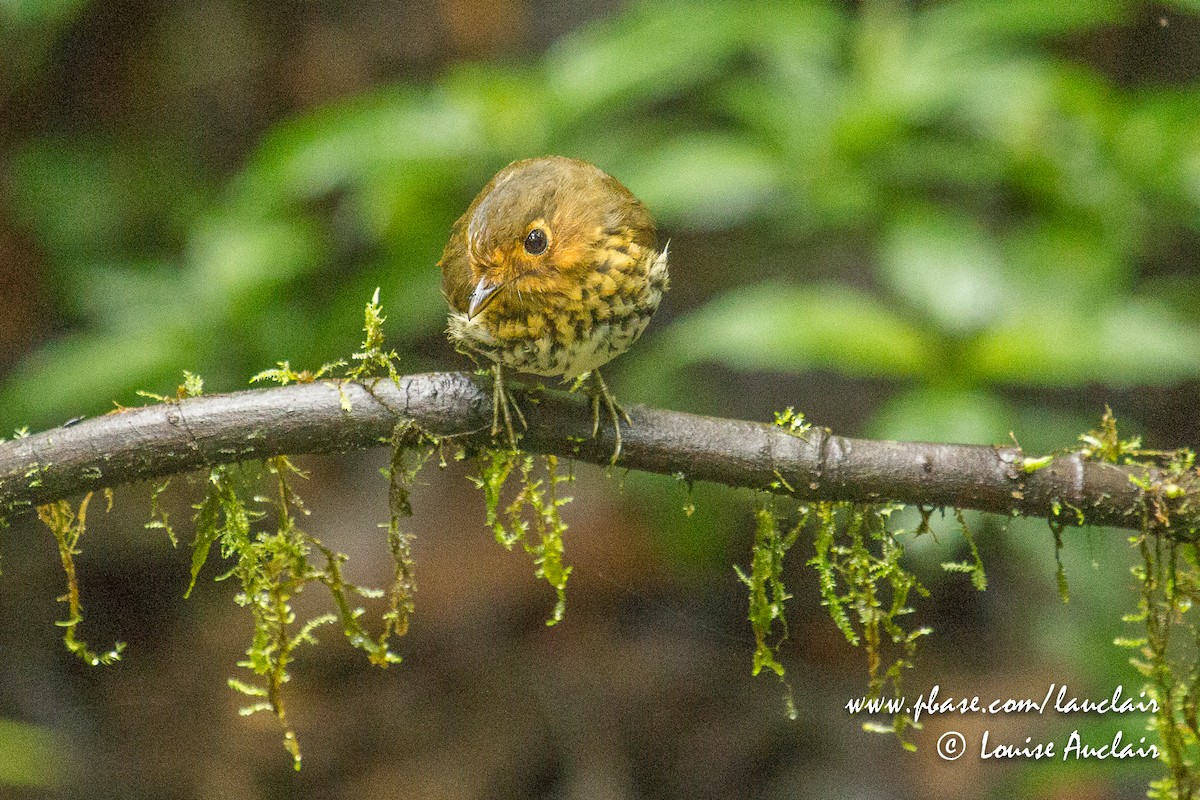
(942,221)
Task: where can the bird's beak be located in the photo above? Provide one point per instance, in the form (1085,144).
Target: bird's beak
(485,290)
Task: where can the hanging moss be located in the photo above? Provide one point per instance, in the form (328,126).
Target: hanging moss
(273,566)
(68,525)
(534,508)
(866,590)
(1167,653)
(768,594)
(974,567)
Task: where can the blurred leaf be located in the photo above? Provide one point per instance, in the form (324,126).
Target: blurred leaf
(904,75)
(702,181)
(818,184)
(119,292)
(37,13)
(934,162)
(235,262)
(85,198)
(1010,103)
(340,146)
(797,48)
(653,51)
(85,373)
(948,268)
(29,755)
(1066,260)
(943,415)
(987,19)
(1181,293)
(1090,178)
(515,108)
(781,326)
(1130,342)
(800,67)
(1158,143)
(1057,128)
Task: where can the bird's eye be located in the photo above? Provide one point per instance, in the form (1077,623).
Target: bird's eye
(536,242)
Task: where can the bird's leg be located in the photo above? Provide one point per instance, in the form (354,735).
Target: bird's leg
(615,412)
(504,407)
(515,408)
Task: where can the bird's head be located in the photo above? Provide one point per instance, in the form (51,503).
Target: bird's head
(537,228)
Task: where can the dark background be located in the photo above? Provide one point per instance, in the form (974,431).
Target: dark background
(940,221)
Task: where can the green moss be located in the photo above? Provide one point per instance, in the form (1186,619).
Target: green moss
(1060,572)
(68,525)
(1031,465)
(768,594)
(273,561)
(192,386)
(411,448)
(159,519)
(866,590)
(792,421)
(1168,580)
(373,359)
(283,374)
(1167,651)
(1104,444)
(535,508)
(689,502)
(864,587)
(974,567)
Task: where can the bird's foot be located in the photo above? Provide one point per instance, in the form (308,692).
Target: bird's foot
(601,394)
(504,408)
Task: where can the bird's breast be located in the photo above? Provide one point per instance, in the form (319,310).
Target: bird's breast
(580,326)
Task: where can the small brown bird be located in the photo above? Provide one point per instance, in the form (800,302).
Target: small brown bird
(554,270)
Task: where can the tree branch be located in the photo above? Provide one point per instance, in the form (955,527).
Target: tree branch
(184,435)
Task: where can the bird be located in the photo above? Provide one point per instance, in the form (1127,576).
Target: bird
(553,270)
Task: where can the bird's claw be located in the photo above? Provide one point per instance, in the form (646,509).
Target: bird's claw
(504,408)
(615,412)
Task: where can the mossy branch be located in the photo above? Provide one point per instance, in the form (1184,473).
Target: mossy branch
(331,416)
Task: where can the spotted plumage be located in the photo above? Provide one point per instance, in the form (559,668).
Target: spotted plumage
(553,270)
